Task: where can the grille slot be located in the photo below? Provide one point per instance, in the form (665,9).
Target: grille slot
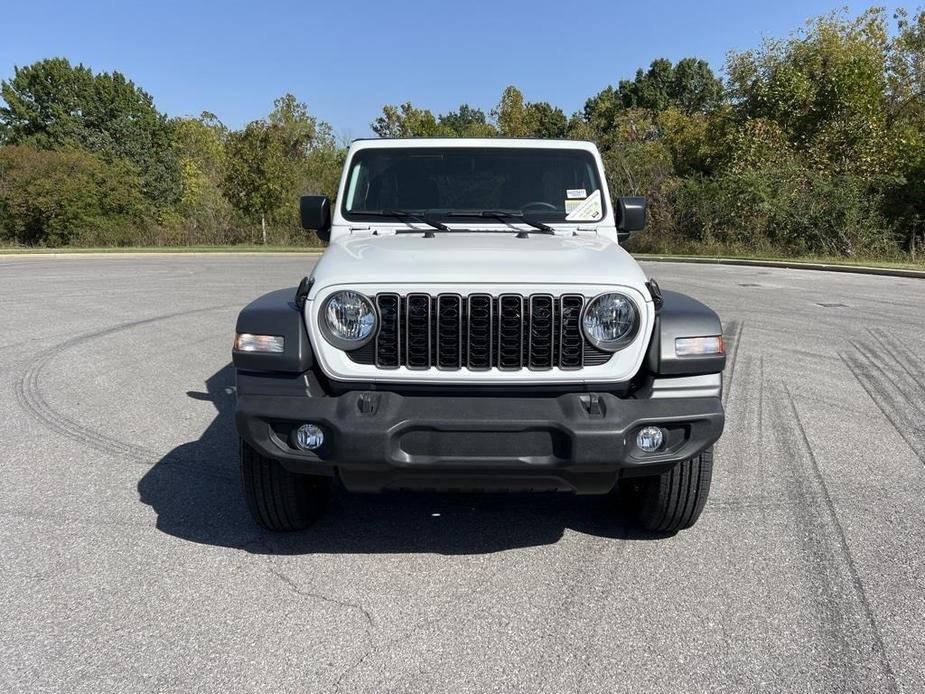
(481,312)
(417,331)
(388,341)
(571,341)
(449,331)
(541,332)
(510,331)
(479,332)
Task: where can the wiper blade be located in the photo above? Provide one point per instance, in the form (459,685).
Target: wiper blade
(404,214)
(506,215)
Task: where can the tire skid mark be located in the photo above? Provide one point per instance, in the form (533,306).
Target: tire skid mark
(893,370)
(31,399)
(742,420)
(735,329)
(892,394)
(826,543)
(910,363)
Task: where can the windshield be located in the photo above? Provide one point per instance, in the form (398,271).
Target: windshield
(549,185)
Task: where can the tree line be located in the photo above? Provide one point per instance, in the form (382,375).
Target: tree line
(812,144)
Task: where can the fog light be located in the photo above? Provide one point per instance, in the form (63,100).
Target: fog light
(650,439)
(309,437)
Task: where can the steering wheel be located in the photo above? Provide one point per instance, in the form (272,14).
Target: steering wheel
(539,203)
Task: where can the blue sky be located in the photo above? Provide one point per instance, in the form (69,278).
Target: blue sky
(347,59)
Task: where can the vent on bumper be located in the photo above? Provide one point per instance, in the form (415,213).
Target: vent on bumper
(480,331)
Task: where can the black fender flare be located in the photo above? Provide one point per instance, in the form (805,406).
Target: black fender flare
(682,316)
(275,313)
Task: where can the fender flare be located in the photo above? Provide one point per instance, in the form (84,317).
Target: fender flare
(682,316)
(275,313)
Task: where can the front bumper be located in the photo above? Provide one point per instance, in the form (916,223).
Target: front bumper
(377,440)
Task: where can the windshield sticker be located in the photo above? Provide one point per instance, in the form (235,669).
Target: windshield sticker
(589,208)
(573,193)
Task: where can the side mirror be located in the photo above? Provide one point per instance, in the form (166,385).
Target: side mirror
(631,216)
(316,214)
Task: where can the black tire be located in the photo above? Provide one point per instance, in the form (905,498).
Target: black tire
(673,500)
(278,499)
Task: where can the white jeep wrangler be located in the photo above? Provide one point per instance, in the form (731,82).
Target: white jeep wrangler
(474,324)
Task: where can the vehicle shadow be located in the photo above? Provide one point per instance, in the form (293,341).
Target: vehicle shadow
(195,492)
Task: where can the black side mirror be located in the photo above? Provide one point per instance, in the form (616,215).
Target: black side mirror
(631,216)
(316,214)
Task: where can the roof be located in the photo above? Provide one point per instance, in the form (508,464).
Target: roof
(518,142)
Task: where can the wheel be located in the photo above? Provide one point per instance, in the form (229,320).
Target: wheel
(278,499)
(673,500)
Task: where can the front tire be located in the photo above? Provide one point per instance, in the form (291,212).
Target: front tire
(674,500)
(278,499)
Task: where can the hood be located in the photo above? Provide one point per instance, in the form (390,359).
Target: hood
(474,258)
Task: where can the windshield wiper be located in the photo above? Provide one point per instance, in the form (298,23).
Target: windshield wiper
(507,215)
(404,214)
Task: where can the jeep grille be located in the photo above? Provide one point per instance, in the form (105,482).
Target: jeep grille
(480,331)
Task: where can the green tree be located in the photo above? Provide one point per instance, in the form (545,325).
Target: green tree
(542,119)
(690,85)
(53,105)
(842,103)
(199,144)
(310,148)
(298,129)
(518,118)
(826,89)
(408,121)
(467,121)
(601,111)
(906,119)
(511,113)
(259,178)
(649,89)
(56,198)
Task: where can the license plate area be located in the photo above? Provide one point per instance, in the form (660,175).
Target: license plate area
(530,447)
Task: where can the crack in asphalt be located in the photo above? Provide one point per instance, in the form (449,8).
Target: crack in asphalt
(296,588)
(367,616)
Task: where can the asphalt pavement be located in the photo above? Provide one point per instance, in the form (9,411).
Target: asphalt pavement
(128,562)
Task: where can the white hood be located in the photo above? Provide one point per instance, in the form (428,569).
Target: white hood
(477,258)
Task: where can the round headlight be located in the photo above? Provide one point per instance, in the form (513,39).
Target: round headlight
(348,320)
(610,321)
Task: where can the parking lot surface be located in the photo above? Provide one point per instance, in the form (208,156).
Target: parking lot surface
(128,561)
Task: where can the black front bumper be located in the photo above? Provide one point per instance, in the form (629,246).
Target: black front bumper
(376,440)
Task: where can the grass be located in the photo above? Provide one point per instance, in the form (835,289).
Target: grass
(244,248)
(849,262)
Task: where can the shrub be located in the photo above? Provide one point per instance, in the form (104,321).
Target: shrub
(788,209)
(56,198)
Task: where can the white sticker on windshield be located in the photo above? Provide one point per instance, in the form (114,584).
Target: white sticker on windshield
(573,193)
(589,208)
